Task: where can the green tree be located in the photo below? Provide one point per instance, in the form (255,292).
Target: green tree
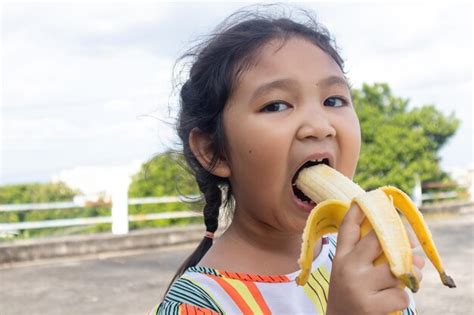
(36,193)
(164,175)
(41,193)
(398,142)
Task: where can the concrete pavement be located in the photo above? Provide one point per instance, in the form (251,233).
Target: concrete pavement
(132,282)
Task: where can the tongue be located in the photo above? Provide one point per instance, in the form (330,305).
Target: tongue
(302,196)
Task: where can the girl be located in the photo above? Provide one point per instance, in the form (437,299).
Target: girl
(264,96)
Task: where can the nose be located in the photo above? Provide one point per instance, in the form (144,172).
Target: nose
(316,123)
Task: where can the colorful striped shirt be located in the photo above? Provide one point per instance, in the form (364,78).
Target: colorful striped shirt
(202,290)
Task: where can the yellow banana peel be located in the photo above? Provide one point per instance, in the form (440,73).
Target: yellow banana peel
(334,194)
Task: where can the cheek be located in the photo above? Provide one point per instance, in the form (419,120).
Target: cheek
(349,144)
(254,140)
(255,153)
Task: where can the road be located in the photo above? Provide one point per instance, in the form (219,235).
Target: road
(132,282)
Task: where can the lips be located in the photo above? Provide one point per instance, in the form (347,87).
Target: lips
(299,197)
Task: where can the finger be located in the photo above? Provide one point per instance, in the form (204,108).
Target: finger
(382,278)
(418,273)
(368,249)
(391,300)
(349,231)
(419,261)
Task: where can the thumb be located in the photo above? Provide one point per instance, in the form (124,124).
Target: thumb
(349,231)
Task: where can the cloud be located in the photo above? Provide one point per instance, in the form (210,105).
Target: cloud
(90,83)
(105,178)
(424,52)
(93,18)
(51,77)
(117,105)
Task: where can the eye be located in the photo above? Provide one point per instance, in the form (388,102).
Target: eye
(275,107)
(335,101)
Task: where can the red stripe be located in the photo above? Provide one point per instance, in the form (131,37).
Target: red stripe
(182,309)
(232,292)
(257,295)
(188,309)
(251,277)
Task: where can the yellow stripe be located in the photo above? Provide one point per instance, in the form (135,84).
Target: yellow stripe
(245,294)
(314,291)
(323,277)
(313,298)
(327,276)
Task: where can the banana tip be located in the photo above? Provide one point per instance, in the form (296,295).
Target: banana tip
(411,282)
(301,280)
(447,280)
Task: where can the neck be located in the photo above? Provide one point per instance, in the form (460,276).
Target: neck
(255,247)
(260,236)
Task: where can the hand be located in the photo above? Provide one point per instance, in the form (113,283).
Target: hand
(357,286)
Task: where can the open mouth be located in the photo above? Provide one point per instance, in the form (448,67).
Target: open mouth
(298,193)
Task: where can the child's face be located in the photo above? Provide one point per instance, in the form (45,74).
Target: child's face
(292,106)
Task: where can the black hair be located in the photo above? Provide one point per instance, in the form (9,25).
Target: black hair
(216,64)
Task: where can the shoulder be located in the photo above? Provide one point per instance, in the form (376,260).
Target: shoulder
(171,308)
(187,294)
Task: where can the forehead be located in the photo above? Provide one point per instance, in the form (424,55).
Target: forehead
(294,58)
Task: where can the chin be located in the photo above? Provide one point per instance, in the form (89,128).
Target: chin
(298,225)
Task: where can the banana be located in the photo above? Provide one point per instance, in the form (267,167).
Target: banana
(334,194)
(422,232)
(322,182)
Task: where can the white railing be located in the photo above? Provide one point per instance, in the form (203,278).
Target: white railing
(117,220)
(40,206)
(419,196)
(119,213)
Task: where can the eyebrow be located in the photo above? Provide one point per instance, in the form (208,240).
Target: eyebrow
(287,84)
(333,80)
(282,84)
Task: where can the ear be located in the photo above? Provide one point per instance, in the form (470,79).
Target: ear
(201,146)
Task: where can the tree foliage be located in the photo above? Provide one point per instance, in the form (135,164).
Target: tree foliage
(164,175)
(399,142)
(41,193)
(36,193)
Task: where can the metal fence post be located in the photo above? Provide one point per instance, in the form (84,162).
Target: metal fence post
(120,206)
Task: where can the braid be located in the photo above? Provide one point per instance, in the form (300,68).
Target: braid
(208,184)
(213,197)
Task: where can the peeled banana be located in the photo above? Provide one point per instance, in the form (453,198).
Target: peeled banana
(334,193)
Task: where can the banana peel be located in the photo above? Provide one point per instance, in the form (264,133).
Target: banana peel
(334,194)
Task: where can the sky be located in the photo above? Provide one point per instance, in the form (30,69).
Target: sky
(87,86)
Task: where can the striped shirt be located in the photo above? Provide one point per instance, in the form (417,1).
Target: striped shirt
(202,290)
